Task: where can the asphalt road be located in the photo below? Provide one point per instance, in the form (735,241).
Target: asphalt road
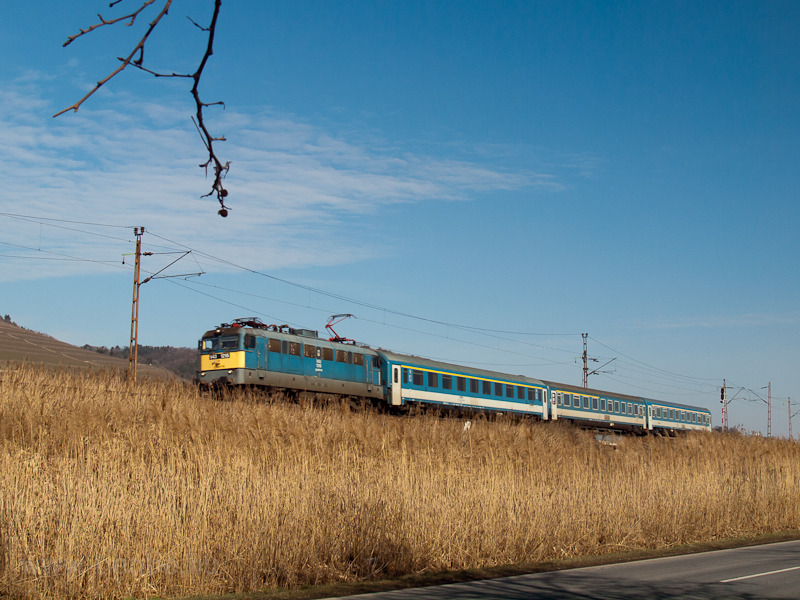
(768,571)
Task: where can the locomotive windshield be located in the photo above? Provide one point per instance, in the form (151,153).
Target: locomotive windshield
(226,342)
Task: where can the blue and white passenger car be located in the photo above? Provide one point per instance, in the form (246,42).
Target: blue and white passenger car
(412,379)
(677,417)
(597,408)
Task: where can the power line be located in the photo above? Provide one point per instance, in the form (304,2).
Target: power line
(657,368)
(653,372)
(30,220)
(421,332)
(5,214)
(68,256)
(476,330)
(353,300)
(654,391)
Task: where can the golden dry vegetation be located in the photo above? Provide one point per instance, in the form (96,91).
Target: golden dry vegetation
(112,491)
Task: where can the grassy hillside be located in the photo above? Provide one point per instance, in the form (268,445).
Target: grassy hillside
(109,490)
(20,344)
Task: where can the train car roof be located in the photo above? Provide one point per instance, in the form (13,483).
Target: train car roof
(671,404)
(590,391)
(442,366)
(306,339)
(596,392)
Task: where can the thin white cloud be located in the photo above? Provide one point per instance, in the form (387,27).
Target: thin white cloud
(293,186)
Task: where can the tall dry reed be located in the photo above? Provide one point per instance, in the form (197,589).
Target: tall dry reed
(107,490)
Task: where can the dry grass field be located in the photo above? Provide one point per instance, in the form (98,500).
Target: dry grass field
(112,491)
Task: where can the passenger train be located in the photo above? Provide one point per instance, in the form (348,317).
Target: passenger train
(248,352)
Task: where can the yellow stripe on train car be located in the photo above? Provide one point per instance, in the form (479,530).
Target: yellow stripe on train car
(218,360)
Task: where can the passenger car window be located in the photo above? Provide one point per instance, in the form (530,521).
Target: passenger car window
(327,354)
(474,385)
(309,351)
(417,376)
(341,356)
(294,348)
(498,389)
(433,379)
(509,391)
(447,382)
(274,345)
(461,384)
(487,387)
(358,359)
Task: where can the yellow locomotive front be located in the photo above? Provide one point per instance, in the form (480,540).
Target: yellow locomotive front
(222,356)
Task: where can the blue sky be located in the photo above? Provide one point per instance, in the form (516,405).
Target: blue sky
(629,170)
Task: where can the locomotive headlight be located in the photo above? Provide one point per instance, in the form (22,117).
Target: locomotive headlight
(230,371)
(202,373)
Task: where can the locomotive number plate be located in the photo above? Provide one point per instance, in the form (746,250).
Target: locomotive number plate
(219,356)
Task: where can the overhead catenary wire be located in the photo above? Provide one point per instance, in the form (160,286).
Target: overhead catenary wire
(30,220)
(351,300)
(633,367)
(652,367)
(661,373)
(639,387)
(421,332)
(67,256)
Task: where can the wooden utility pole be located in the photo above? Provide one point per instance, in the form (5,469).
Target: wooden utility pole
(791,437)
(133,349)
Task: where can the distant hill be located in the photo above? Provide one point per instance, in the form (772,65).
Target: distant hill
(184,362)
(19,344)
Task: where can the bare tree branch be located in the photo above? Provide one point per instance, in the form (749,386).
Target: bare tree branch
(220,170)
(125,62)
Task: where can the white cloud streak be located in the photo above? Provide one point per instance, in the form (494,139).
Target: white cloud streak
(292,184)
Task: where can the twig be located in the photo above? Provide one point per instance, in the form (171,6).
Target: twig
(102,22)
(126,61)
